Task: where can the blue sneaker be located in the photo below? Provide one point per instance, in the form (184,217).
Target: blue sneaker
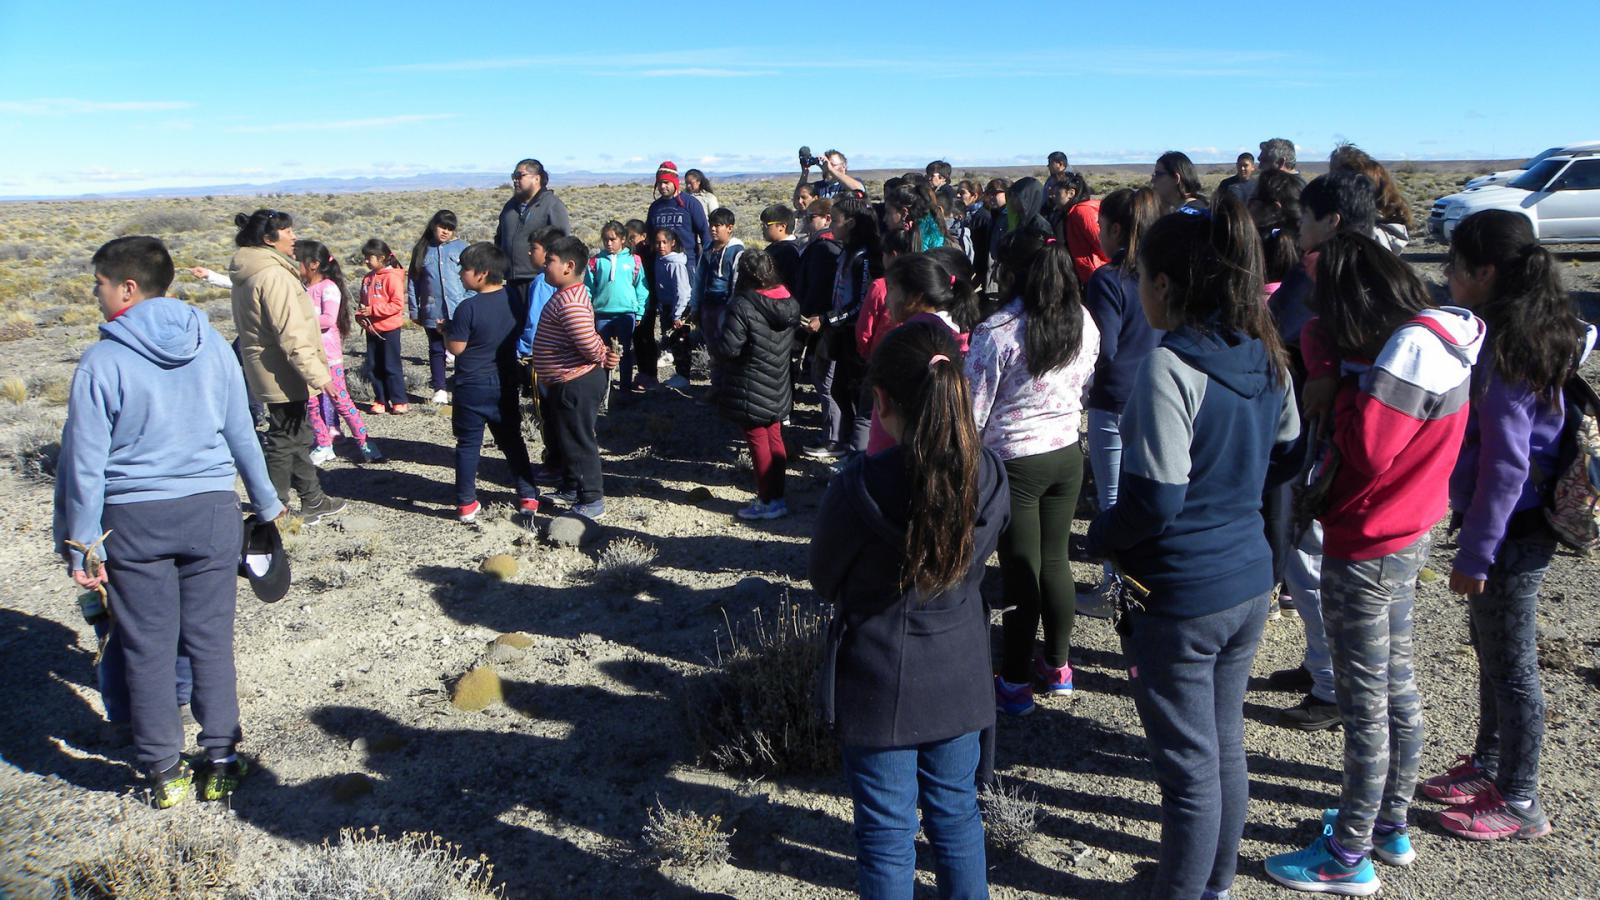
(1393,848)
(1012,699)
(1316,870)
(594,510)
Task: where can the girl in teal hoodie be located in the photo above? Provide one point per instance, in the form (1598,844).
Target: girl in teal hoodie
(618,287)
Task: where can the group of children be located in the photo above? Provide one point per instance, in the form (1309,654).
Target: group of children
(953,386)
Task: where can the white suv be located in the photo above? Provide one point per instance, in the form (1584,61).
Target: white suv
(1560,195)
(1505,175)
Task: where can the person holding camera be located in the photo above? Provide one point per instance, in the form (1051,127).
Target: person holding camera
(837,182)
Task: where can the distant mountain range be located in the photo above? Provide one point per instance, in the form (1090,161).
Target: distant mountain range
(446,181)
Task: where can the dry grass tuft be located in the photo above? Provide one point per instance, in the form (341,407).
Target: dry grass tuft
(34,452)
(16,326)
(164,222)
(15,390)
(624,564)
(52,390)
(1010,819)
(756,709)
(174,863)
(683,837)
(365,864)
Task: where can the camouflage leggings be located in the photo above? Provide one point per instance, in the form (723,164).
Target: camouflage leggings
(1366,609)
(1510,698)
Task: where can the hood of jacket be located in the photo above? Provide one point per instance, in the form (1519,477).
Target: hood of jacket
(776,306)
(249,262)
(991,487)
(1023,203)
(165,331)
(1230,359)
(1457,329)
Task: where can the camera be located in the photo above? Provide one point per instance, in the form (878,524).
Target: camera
(807,160)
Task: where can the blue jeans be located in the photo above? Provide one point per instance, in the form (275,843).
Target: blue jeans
(1105,458)
(887,785)
(1188,678)
(475,408)
(619,327)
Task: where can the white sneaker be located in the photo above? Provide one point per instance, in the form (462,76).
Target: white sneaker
(441,396)
(321,456)
(676,381)
(449,358)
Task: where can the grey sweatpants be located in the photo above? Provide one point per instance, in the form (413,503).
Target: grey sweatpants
(1366,610)
(173,572)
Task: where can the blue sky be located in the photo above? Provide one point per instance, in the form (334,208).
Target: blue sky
(121,96)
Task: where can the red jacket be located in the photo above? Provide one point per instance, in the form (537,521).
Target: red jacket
(1397,424)
(1083,239)
(383,293)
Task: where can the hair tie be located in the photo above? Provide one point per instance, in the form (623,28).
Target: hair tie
(937,358)
(952,281)
(1049,241)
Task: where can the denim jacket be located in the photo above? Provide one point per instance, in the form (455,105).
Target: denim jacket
(432,297)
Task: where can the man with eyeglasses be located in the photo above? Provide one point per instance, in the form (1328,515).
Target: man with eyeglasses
(532,207)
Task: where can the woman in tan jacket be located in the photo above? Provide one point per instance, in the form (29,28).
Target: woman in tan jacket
(280,348)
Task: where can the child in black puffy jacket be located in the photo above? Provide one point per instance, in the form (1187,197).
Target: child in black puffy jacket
(754,349)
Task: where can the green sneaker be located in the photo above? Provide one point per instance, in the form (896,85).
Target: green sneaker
(220,780)
(171,786)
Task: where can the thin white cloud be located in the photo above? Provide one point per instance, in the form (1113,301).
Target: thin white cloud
(73,106)
(691,72)
(340,124)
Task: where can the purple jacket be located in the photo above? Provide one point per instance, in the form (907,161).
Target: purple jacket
(1510,431)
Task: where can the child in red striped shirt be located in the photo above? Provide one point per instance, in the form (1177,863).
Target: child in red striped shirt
(571,361)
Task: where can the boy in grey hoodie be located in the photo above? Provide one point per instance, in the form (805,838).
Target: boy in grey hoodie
(158,425)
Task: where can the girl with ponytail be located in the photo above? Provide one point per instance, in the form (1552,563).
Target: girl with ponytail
(1207,423)
(434,290)
(1535,341)
(899,549)
(382,312)
(330,303)
(1029,364)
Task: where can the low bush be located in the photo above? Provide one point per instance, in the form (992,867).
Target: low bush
(15,390)
(683,837)
(158,222)
(1010,819)
(34,452)
(365,864)
(624,564)
(174,863)
(756,708)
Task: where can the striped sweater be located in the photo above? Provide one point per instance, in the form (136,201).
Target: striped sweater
(1397,424)
(566,346)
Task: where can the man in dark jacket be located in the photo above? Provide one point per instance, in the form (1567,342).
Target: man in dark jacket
(531,207)
(682,214)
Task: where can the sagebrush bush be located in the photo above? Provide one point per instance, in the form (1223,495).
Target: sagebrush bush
(683,837)
(366,864)
(162,222)
(624,563)
(756,708)
(1009,818)
(174,863)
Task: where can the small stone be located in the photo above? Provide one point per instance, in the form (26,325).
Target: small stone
(348,788)
(499,654)
(359,745)
(1427,575)
(571,531)
(700,494)
(519,639)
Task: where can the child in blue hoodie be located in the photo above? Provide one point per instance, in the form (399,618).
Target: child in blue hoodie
(618,287)
(161,483)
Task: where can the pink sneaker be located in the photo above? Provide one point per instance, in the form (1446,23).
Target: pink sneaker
(1051,680)
(1460,785)
(1012,699)
(1490,818)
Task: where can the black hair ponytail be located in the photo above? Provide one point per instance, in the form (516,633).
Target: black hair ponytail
(919,366)
(315,253)
(1535,334)
(1042,275)
(380,249)
(1364,292)
(260,228)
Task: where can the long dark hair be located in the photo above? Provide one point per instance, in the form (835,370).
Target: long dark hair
(1133,211)
(965,303)
(929,276)
(1213,264)
(1275,207)
(705,183)
(1181,168)
(1039,270)
(1080,188)
(941,451)
(380,249)
(1364,292)
(314,253)
(419,252)
(861,232)
(259,227)
(1535,333)
(1392,205)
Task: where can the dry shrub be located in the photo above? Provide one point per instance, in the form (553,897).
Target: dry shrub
(365,864)
(53,390)
(13,251)
(80,314)
(34,452)
(177,862)
(756,709)
(683,837)
(15,390)
(16,327)
(624,564)
(1010,819)
(163,221)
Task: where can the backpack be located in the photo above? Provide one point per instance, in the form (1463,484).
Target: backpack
(1572,497)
